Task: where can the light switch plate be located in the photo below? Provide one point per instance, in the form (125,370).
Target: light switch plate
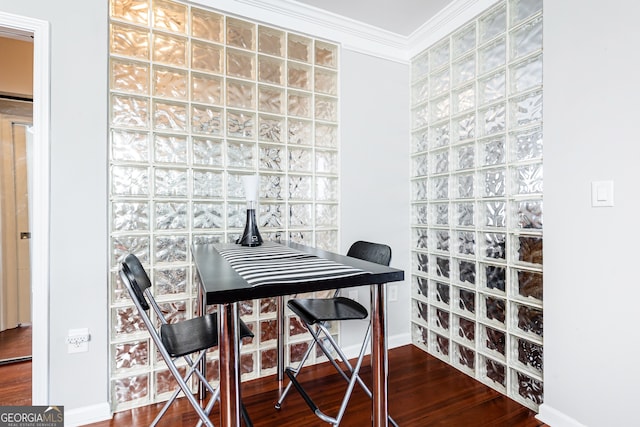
(601,193)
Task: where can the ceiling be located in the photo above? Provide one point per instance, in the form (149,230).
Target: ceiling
(402,17)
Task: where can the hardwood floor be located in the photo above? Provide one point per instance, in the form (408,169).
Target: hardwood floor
(423,391)
(15,386)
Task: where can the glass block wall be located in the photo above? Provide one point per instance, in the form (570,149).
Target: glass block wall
(477,199)
(197,100)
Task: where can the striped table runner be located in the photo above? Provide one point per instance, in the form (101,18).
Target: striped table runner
(272,263)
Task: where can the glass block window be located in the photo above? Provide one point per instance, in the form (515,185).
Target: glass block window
(197,99)
(477,185)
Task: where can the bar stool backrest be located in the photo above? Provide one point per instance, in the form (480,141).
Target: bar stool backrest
(373,252)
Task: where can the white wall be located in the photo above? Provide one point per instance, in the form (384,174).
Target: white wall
(591,288)
(78,251)
(374,173)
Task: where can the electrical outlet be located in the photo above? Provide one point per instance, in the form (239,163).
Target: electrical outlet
(392,293)
(78,340)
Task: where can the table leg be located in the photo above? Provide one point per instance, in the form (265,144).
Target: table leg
(228,346)
(280,343)
(379,355)
(200,311)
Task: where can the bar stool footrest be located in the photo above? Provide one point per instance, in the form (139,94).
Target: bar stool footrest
(314,408)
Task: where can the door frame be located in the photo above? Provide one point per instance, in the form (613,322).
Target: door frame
(41,199)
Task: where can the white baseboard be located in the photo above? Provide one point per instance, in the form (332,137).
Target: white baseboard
(87,414)
(392,342)
(555,418)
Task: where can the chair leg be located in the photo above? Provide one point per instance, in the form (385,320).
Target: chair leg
(295,372)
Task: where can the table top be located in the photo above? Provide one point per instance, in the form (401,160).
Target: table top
(222,284)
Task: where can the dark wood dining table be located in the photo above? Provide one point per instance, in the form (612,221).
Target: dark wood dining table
(221,284)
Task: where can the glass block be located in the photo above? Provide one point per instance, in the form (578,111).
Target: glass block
(466,329)
(206,57)
(169,116)
(170,281)
(466,242)
(465,358)
(129,146)
(270,41)
(241,64)
(420,116)
(128,76)
(271,186)
(464,40)
(300,215)
(464,127)
(420,311)
(207,25)
(421,262)
(440,187)
(241,154)
(494,310)
(326,189)
(170,148)
(326,240)
(129,41)
(441,240)
(494,278)
(326,215)
(420,91)
(492,56)
(241,33)
(420,65)
(522,9)
(440,346)
(495,246)
(493,373)
(170,83)
(440,109)
(492,120)
(271,216)
(170,249)
(206,120)
(493,23)
(465,157)
(136,11)
(271,157)
(129,181)
(268,330)
(527,249)
(493,151)
(171,182)
(326,162)
(126,321)
(528,214)
(419,165)
(165,382)
(527,388)
(528,179)
(240,124)
(442,293)
(299,48)
(493,182)
(439,213)
(464,99)
(420,214)
(174,311)
(300,188)
(528,285)
(326,54)
(326,109)
(169,49)
(419,335)
(421,238)
(421,285)
(528,354)
(439,55)
(465,188)
(464,69)
(439,135)
(241,94)
(495,213)
(440,161)
(170,215)
(527,144)
(494,341)
(206,89)
(122,246)
(465,271)
(299,104)
(130,216)
(526,75)
(300,159)
(326,135)
(441,319)
(440,82)
(464,300)
(130,355)
(270,70)
(325,81)
(526,39)
(420,190)
(300,132)
(130,389)
(169,16)
(464,214)
(236,215)
(270,100)
(128,111)
(442,266)
(299,76)
(207,151)
(492,87)
(527,109)
(208,215)
(268,361)
(207,184)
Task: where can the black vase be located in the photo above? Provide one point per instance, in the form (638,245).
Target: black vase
(251,235)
